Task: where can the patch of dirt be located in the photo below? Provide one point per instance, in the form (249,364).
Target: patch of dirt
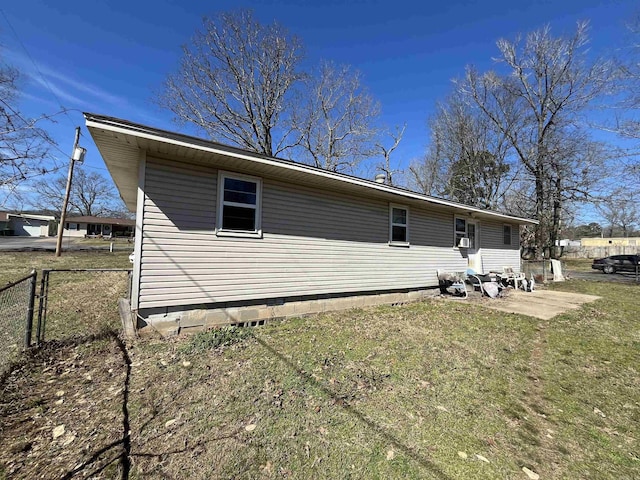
(535,428)
(63,411)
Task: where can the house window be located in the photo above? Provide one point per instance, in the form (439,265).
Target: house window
(471,234)
(239,204)
(398,225)
(464,228)
(460,230)
(506,234)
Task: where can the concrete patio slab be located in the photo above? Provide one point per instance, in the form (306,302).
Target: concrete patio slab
(542,304)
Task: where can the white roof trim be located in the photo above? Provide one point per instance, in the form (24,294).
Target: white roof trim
(149,133)
(32,217)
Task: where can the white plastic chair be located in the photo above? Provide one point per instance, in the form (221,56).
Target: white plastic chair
(510,275)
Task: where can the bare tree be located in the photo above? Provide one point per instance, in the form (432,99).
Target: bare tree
(592,229)
(537,103)
(629,125)
(627,108)
(335,119)
(234,82)
(472,155)
(386,151)
(91,194)
(426,173)
(23,145)
(620,211)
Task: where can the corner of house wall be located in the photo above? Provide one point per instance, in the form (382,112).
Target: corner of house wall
(137,248)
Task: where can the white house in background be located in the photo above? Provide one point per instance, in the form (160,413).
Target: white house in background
(224,235)
(24,224)
(99,226)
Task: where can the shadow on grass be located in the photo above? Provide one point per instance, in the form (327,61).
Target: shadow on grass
(123,444)
(34,353)
(125,441)
(32,359)
(338,400)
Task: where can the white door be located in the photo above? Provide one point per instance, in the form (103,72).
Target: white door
(474,260)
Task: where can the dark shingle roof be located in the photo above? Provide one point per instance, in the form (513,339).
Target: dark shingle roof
(103,220)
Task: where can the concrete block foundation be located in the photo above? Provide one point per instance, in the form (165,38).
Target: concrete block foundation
(172,321)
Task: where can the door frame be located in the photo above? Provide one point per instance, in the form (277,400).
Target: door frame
(474,257)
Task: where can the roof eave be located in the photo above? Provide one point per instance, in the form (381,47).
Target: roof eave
(128,128)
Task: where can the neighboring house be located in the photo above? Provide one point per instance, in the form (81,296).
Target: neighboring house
(609,241)
(25,224)
(89,225)
(597,247)
(566,242)
(228,236)
(4,224)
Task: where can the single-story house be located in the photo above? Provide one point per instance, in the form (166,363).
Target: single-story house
(224,235)
(25,224)
(90,225)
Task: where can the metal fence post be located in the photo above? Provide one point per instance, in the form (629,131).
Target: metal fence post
(32,298)
(42,308)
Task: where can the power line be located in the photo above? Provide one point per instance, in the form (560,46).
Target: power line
(95,168)
(37,130)
(44,171)
(48,140)
(44,80)
(65,111)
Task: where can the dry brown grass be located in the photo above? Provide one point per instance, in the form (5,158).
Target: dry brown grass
(19,264)
(390,392)
(379,393)
(83,302)
(74,384)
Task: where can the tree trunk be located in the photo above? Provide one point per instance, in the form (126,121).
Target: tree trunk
(554,232)
(540,228)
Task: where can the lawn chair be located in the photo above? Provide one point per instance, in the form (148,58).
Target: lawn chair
(479,280)
(454,280)
(508,276)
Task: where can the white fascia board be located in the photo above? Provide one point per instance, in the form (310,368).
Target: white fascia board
(32,217)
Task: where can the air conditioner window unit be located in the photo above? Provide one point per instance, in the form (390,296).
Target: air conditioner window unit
(464,243)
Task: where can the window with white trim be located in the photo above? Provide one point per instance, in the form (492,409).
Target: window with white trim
(506,234)
(398,225)
(460,227)
(239,205)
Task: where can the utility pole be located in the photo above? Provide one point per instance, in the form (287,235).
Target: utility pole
(76,155)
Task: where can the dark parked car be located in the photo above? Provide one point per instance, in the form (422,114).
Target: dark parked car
(617,263)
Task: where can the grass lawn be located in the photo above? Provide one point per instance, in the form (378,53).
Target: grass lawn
(122,243)
(578,264)
(18,264)
(79,303)
(439,389)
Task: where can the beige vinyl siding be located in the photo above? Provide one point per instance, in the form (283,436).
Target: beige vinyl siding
(314,242)
(495,254)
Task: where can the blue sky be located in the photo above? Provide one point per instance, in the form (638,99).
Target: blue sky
(109,57)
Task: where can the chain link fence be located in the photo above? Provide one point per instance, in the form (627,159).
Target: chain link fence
(16,318)
(78,302)
(541,270)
